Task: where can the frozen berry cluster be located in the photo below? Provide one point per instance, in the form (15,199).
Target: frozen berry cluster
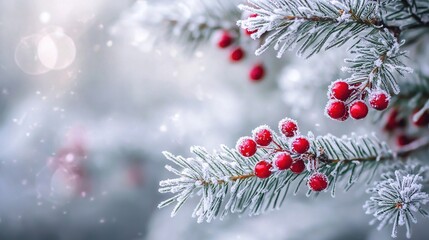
(349,100)
(279,158)
(228,40)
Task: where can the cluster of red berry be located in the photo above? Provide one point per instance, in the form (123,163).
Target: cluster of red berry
(396,123)
(346,100)
(226,39)
(282,158)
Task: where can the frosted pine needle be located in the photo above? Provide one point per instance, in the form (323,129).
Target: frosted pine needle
(394,200)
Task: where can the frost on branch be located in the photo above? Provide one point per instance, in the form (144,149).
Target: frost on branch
(310,25)
(188,22)
(376,59)
(397,197)
(226,181)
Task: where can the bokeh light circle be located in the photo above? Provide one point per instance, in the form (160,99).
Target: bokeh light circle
(54,185)
(51,49)
(56,50)
(26,55)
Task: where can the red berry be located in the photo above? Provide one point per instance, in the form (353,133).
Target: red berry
(236,54)
(300,145)
(283,160)
(317,182)
(358,109)
(248,32)
(403,140)
(257,72)
(340,90)
(346,115)
(391,122)
(262,136)
(379,100)
(246,146)
(262,169)
(297,167)
(335,109)
(288,127)
(422,120)
(225,40)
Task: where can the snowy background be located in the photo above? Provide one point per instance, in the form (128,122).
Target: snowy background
(83,125)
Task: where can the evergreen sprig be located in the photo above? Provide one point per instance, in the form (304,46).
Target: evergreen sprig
(310,25)
(226,183)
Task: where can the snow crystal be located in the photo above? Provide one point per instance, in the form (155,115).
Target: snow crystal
(273,18)
(344,17)
(378,63)
(295,25)
(313,30)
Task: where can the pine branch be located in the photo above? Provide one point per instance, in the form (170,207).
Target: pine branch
(189,23)
(311,25)
(226,181)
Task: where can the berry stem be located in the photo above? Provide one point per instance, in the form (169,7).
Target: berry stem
(278,145)
(370,22)
(232,178)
